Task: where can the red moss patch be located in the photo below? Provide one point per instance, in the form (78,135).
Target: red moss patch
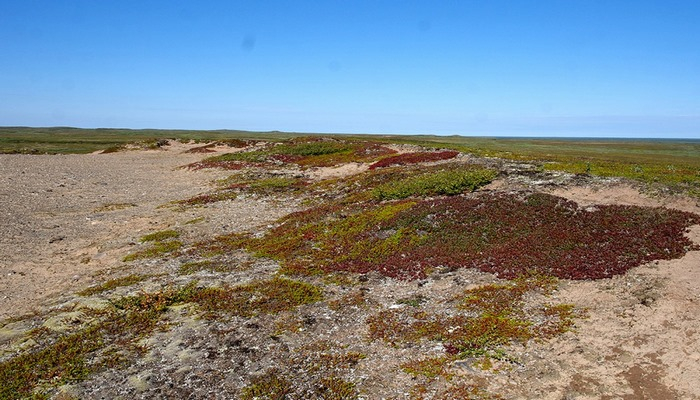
(505,234)
(415,158)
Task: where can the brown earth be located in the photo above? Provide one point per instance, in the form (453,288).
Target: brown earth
(67,222)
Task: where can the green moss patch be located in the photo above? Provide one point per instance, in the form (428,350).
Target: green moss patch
(160,236)
(222,244)
(156,249)
(264,183)
(161,243)
(402,182)
(439,183)
(260,297)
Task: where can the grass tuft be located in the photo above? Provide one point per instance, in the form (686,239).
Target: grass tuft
(113,283)
(261,297)
(160,236)
(271,385)
(212,266)
(155,250)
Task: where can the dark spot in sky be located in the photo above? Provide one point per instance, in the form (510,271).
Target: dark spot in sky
(248,43)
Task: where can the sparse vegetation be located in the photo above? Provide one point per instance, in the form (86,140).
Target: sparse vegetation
(231,187)
(160,236)
(264,184)
(62,140)
(114,207)
(211,266)
(133,317)
(66,358)
(208,198)
(305,152)
(339,259)
(490,317)
(313,372)
(113,283)
(156,249)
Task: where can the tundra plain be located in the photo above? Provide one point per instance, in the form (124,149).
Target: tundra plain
(278,266)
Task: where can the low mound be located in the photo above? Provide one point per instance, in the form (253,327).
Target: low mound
(415,158)
(304,152)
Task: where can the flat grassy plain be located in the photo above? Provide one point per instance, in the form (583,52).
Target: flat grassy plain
(66,140)
(672,163)
(675,164)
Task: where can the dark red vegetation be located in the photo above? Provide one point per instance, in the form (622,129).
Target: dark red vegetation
(506,234)
(415,158)
(305,152)
(207,148)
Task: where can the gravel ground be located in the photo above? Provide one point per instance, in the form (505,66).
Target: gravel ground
(66,218)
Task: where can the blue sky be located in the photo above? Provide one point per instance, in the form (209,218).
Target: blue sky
(533,68)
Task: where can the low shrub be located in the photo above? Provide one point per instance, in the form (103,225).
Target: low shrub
(260,297)
(155,250)
(160,236)
(414,158)
(208,198)
(113,283)
(442,183)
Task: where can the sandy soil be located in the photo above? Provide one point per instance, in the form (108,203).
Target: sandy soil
(67,221)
